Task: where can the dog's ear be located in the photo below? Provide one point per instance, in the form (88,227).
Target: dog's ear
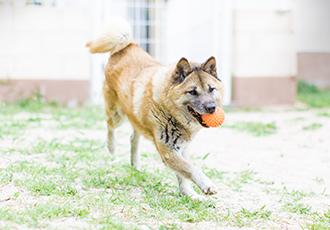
(182,70)
(210,66)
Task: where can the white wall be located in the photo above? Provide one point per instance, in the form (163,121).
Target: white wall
(198,30)
(263,43)
(190,30)
(39,42)
(312,25)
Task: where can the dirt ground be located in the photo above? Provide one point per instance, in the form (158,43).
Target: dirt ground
(290,160)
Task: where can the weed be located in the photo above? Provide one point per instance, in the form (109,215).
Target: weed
(170,227)
(5,177)
(319,180)
(324,114)
(20,217)
(246,217)
(300,119)
(299,208)
(76,177)
(320,221)
(12,127)
(256,128)
(312,96)
(312,126)
(240,178)
(297,194)
(110,222)
(32,214)
(214,173)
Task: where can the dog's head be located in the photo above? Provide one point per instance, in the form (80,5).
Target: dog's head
(196,88)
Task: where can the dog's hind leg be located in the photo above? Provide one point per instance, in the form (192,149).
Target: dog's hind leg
(135,155)
(111,139)
(114,116)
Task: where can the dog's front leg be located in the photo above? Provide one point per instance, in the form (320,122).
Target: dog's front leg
(185,170)
(186,190)
(185,184)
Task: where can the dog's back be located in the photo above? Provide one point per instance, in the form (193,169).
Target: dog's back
(129,66)
(127,59)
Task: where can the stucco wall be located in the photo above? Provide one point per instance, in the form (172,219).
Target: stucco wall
(40,42)
(312,36)
(263,44)
(263,48)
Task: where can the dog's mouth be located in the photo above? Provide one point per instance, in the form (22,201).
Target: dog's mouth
(197,116)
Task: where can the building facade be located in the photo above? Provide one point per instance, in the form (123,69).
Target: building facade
(262,46)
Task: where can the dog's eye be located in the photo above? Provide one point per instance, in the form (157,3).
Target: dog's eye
(193,92)
(211,89)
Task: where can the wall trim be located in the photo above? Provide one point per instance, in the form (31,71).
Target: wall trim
(262,91)
(63,91)
(314,68)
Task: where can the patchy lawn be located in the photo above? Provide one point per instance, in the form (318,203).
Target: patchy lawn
(272,167)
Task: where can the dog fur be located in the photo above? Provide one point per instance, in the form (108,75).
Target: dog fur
(163,103)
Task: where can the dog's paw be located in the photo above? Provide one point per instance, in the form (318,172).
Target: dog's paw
(198,197)
(210,190)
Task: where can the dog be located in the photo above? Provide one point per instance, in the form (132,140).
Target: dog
(163,103)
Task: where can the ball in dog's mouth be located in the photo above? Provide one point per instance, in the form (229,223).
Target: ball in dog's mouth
(209,120)
(197,116)
(215,119)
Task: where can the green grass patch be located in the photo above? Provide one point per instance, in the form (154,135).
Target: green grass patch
(320,221)
(246,217)
(312,96)
(324,114)
(298,208)
(170,227)
(256,128)
(34,214)
(12,127)
(312,126)
(63,176)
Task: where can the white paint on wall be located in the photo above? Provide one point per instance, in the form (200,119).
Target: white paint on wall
(278,5)
(268,34)
(224,39)
(40,42)
(263,44)
(312,25)
(199,29)
(189,30)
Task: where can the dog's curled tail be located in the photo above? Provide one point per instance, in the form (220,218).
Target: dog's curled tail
(115,36)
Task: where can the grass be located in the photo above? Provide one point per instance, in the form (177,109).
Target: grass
(256,128)
(73,177)
(324,114)
(312,126)
(248,215)
(32,214)
(312,96)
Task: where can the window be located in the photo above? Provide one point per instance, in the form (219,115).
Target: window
(146,18)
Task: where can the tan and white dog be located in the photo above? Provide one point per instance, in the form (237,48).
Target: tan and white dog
(163,103)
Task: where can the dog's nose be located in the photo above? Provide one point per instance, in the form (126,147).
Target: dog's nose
(210,108)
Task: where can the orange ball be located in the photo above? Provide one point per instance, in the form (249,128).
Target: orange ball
(215,119)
